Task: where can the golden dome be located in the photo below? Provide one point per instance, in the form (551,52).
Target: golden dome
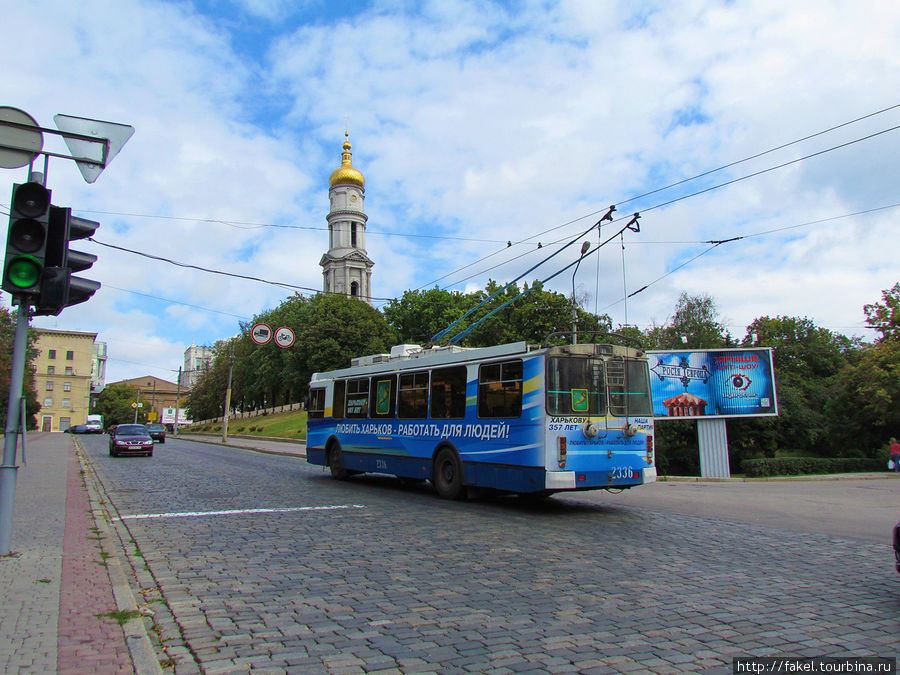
(345,174)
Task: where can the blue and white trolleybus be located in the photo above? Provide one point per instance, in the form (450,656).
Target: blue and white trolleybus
(513,418)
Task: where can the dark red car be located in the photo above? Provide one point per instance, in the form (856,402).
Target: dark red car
(130,439)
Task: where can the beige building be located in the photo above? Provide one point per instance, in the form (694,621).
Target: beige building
(62,377)
(155,394)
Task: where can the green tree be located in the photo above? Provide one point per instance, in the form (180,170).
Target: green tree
(7,342)
(207,397)
(419,315)
(115,404)
(807,359)
(885,316)
(694,325)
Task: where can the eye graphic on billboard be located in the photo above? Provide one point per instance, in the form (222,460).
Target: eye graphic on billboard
(712,383)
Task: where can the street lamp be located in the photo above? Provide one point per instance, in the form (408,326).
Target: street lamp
(584,249)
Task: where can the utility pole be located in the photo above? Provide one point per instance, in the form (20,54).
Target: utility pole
(177,397)
(227,398)
(137,404)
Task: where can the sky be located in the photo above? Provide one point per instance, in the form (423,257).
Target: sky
(772,127)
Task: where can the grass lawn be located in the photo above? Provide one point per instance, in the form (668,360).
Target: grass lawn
(281,425)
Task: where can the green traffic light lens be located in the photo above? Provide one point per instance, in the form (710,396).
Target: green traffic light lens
(23,272)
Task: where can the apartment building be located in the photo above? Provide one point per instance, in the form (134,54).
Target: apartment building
(62,377)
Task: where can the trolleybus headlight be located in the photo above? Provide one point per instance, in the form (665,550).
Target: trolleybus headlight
(631,430)
(590,430)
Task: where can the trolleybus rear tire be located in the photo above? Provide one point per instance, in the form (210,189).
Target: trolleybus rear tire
(447,475)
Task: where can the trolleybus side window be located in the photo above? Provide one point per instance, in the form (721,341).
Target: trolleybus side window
(575,387)
(337,405)
(316,405)
(500,389)
(629,387)
(358,397)
(448,392)
(413,396)
(384,390)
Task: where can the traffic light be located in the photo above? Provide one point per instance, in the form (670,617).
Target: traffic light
(59,288)
(26,240)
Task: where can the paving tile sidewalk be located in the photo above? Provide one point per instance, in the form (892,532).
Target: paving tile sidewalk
(55,588)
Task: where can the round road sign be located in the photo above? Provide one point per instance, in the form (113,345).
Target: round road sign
(21,145)
(261,333)
(284,337)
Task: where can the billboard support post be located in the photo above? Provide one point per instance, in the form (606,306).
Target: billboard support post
(713,439)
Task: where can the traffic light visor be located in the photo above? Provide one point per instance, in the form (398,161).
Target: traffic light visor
(31,199)
(27,235)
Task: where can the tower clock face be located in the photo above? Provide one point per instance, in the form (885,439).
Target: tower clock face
(352,198)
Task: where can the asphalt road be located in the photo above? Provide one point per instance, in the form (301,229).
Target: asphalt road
(261,561)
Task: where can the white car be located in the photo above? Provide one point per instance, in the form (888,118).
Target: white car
(93,428)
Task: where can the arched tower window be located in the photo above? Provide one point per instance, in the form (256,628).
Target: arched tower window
(354,290)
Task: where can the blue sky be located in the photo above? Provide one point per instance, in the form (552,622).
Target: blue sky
(474,123)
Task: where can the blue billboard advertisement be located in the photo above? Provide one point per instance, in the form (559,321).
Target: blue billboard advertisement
(712,383)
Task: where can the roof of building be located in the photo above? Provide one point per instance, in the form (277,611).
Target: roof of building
(346,173)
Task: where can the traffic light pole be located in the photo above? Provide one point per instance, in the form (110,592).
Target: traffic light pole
(13,416)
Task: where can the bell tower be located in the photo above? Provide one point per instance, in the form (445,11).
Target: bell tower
(346,267)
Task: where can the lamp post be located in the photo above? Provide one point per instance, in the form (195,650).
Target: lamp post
(584,249)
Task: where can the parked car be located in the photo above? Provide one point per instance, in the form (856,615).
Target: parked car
(130,439)
(157,432)
(897,545)
(77,429)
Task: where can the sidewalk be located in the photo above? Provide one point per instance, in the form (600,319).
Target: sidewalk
(62,579)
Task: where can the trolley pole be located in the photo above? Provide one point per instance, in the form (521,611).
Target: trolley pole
(13,417)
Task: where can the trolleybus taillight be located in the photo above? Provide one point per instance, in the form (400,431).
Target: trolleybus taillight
(561,451)
(649,449)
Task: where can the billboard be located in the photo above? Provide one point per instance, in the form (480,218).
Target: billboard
(701,384)
(168,416)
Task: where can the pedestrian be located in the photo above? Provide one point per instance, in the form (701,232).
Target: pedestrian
(895,454)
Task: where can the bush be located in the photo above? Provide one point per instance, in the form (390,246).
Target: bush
(799,466)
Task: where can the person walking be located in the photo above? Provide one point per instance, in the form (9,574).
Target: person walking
(895,454)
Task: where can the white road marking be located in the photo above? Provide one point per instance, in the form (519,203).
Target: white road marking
(200,514)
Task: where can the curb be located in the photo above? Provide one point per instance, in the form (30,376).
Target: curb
(143,656)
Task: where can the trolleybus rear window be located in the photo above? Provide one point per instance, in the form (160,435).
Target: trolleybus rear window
(575,387)
(629,387)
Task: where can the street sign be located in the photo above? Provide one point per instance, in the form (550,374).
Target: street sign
(284,337)
(109,136)
(261,333)
(18,146)
(137,405)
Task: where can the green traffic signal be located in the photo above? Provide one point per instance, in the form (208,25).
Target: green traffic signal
(23,271)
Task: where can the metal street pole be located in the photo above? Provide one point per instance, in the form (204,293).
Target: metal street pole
(137,404)
(13,416)
(177,397)
(227,398)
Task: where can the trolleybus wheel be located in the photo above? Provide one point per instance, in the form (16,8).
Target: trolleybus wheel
(336,462)
(447,475)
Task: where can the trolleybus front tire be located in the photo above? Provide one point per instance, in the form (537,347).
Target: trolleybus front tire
(447,475)
(336,462)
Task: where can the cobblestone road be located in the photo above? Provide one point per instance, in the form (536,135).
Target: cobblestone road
(393,579)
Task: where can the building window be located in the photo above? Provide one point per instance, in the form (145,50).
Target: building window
(48,403)
(353,235)
(354,290)
(69,370)
(67,386)
(50,370)
(51,354)
(67,403)
(49,386)
(64,423)
(70,356)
